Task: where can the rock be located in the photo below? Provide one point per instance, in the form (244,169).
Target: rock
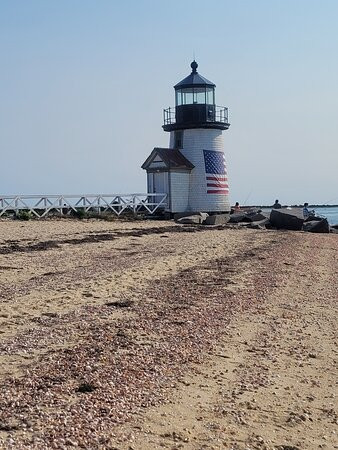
(287,218)
(217,219)
(317,226)
(312,218)
(237,217)
(334,228)
(255,217)
(249,215)
(204,216)
(269,226)
(251,210)
(191,217)
(257,225)
(194,219)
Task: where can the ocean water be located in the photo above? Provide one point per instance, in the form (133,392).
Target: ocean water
(330,213)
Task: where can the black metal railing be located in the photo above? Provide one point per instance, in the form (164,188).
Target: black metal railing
(169,116)
(219,114)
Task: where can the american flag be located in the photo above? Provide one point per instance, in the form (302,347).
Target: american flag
(215,172)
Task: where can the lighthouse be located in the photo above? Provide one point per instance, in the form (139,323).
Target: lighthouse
(192,170)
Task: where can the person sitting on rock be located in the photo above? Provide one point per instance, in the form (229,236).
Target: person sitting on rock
(276,205)
(237,208)
(306,212)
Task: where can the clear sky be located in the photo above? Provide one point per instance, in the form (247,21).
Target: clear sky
(83,84)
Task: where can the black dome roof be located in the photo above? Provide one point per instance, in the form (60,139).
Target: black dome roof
(194,79)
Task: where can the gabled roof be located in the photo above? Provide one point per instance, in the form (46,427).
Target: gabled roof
(194,79)
(171,157)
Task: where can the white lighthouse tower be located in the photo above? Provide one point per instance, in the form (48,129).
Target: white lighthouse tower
(192,171)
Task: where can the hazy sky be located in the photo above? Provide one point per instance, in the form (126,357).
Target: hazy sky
(83,86)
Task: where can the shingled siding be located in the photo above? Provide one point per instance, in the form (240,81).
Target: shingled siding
(179,191)
(194,142)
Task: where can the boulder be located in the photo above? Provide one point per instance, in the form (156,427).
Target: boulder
(190,213)
(237,217)
(287,218)
(269,226)
(312,218)
(204,216)
(255,217)
(247,215)
(217,219)
(334,230)
(259,224)
(317,226)
(194,219)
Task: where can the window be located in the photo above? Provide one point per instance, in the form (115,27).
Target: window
(187,95)
(178,98)
(196,95)
(210,96)
(199,95)
(178,139)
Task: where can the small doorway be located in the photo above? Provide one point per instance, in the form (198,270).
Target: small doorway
(160,183)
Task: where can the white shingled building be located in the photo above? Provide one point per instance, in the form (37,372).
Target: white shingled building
(192,171)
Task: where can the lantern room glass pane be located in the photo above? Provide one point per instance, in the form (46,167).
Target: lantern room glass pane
(210,96)
(199,95)
(178,98)
(189,96)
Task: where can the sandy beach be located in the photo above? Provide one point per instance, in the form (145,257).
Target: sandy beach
(149,335)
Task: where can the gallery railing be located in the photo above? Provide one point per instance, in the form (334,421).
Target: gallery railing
(218,114)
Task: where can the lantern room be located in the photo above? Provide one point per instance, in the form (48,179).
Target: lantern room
(195,105)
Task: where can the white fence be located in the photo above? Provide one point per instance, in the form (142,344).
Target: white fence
(42,205)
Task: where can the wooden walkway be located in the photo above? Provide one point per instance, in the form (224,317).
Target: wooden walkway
(41,206)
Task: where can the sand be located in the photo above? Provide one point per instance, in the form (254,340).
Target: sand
(146,335)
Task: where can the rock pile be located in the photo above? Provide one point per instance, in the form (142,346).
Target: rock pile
(201,218)
(277,219)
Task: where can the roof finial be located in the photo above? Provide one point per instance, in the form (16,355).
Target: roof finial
(194,66)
